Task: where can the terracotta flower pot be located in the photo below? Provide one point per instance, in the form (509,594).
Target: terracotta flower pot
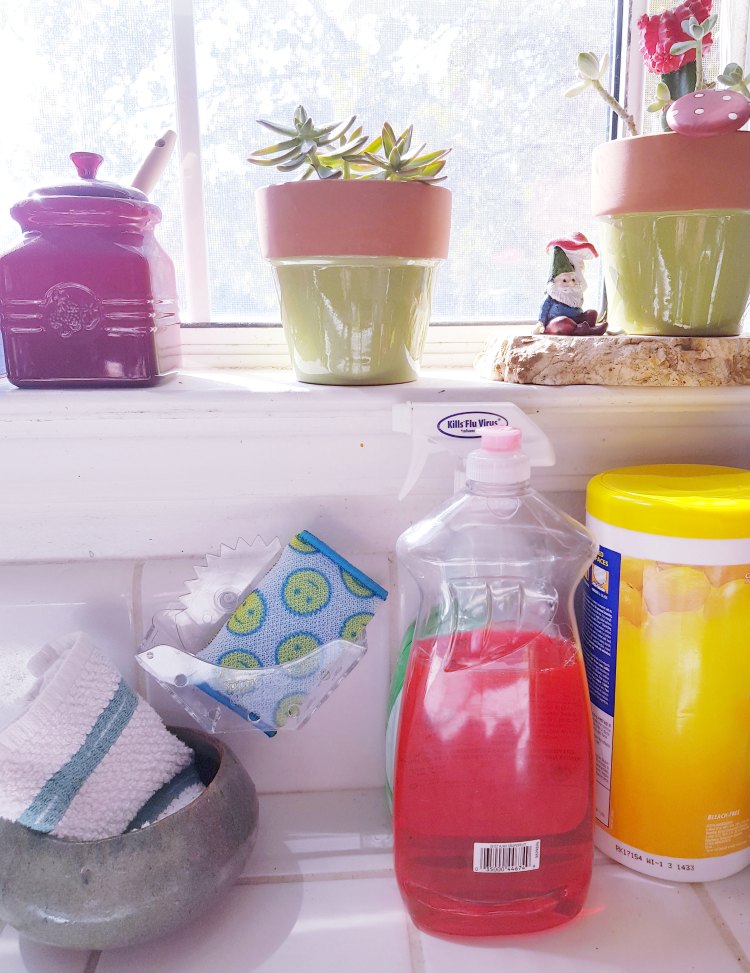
(674,232)
(355,262)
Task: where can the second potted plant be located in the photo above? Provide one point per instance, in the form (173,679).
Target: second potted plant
(355,250)
(674,207)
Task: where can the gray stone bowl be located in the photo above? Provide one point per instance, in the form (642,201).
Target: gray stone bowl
(125,890)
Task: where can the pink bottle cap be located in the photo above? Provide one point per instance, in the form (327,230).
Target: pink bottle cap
(503,439)
(499,459)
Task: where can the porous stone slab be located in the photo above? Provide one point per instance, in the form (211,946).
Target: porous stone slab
(616,359)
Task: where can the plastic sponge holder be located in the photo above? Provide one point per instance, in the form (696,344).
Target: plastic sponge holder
(223,699)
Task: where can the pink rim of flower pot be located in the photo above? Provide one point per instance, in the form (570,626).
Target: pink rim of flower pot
(669,172)
(353,218)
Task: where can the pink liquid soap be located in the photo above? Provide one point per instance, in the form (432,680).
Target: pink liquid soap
(493,796)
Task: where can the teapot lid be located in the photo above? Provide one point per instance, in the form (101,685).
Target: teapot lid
(87,164)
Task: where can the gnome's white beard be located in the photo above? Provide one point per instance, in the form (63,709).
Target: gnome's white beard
(570,294)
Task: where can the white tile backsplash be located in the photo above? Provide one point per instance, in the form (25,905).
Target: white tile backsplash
(315,835)
(43,602)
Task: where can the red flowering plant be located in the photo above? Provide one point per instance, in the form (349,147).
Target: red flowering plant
(662,32)
(673,44)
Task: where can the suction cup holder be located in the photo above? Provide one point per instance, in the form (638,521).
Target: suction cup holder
(282,697)
(223,699)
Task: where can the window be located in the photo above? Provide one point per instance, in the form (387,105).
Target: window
(485,77)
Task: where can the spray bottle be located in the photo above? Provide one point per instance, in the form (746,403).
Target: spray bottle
(454,428)
(493,795)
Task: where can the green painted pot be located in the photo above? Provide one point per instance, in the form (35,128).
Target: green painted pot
(676,273)
(674,232)
(355,320)
(355,263)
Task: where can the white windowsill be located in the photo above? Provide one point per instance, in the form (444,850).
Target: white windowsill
(223,392)
(210,443)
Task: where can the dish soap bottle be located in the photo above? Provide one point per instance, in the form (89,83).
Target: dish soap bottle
(493,789)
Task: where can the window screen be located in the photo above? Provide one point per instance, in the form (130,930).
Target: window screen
(484,77)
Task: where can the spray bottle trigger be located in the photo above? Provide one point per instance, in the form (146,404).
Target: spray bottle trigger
(420,451)
(455,427)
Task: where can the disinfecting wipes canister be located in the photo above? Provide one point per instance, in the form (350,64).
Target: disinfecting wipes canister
(666,639)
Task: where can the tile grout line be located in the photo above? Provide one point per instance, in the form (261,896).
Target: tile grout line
(136,601)
(93,961)
(721,925)
(416,953)
(322,877)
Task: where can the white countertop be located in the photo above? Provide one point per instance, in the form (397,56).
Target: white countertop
(318,895)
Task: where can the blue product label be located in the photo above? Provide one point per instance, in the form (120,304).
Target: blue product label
(601,599)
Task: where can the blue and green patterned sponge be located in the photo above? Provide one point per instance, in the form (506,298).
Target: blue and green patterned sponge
(311,597)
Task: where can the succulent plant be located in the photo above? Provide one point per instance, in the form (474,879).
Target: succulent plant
(697,31)
(336,151)
(673,44)
(398,163)
(324,150)
(733,76)
(590,74)
(662,98)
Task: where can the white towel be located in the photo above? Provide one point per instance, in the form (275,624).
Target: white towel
(88,758)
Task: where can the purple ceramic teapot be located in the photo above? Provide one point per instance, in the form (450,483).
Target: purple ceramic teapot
(89,297)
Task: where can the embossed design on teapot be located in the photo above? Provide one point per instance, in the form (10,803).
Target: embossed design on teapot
(69,309)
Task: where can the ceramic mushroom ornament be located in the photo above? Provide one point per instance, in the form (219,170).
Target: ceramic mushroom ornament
(578,250)
(562,309)
(709,112)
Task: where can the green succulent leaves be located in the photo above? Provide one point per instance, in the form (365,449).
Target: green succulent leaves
(304,143)
(697,32)
(336,152)
(590,73)
(399,163)
(590,70)
(663,98)
(733,76)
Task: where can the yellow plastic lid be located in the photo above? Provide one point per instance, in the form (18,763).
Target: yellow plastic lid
(676,500)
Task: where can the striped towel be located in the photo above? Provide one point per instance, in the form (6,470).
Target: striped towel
(88,758)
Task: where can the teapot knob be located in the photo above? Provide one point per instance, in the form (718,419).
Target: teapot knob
(87,163)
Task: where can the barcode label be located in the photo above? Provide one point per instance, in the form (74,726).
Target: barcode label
(520,856)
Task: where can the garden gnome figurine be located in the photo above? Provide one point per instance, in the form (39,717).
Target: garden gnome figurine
(562,311)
